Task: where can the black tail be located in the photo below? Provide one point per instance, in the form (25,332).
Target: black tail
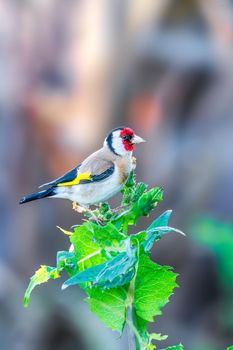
(42,194)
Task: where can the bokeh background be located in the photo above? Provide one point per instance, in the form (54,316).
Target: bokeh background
(70,70)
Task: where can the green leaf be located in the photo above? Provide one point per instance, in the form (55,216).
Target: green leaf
(162,220)
(109,305)
(67,261)
(118,281)
(230,348)
(138,191)
(131,181)
(88,275)
(176,347)
(158,336)
(68,233)
(154,285)
(112,273)
(218,237)
(105,236)
(104,208)
(155,234)
(42,275)
(87,252)
(143,337)
(145,203)
(129,190)
(117,266)
(157,229)
(139,237)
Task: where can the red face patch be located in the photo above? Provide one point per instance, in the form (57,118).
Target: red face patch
(127,135)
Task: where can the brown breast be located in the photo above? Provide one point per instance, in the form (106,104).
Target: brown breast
(124,166)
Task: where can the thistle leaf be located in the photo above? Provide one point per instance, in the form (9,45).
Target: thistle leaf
(105,236)
(155,234)
(142,207)
(176,347)
(85,249)
(67,261)
(42,275)
(68,233)
(162,220)
(113,272)
(109,305)
(154,284)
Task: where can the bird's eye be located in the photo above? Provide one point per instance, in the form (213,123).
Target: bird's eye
(127,138)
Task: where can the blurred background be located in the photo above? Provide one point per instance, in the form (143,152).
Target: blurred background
(69,72)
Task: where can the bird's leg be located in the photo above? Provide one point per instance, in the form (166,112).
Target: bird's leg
(77,208)
(82,210)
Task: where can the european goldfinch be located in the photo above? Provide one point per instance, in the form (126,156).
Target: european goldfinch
(100,176)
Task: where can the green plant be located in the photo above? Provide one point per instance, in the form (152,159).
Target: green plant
(217,237)
(124,286)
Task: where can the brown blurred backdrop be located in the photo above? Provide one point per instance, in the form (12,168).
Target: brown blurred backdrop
(69,72)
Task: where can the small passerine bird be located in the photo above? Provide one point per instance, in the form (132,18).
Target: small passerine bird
(99,177)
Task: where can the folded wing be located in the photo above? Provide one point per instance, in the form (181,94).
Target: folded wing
(94,170)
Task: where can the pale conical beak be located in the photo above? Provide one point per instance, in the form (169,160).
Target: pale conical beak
(137,139)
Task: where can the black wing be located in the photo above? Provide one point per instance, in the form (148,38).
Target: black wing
(72,175)
(99,177)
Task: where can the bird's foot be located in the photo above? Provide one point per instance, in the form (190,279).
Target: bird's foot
(78,208)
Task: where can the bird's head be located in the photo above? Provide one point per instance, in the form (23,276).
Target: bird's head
(122,140)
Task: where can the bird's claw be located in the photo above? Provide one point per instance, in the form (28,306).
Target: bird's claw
(77,208)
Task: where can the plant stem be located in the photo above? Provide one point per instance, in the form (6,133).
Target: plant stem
(125,228)
(133,335)
(130,331)
(133,331)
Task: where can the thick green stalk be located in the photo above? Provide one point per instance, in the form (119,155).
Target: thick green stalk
(133,335)
(130,329)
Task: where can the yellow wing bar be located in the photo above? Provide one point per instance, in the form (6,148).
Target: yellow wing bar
(76,181)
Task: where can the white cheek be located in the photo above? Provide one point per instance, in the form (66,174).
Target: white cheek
(118,146)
